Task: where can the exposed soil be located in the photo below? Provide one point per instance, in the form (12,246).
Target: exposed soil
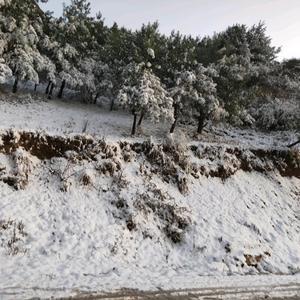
(166,159)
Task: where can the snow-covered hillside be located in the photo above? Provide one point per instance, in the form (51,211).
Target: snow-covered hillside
(102,211)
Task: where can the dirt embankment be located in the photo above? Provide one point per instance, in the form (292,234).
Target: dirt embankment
(170,160)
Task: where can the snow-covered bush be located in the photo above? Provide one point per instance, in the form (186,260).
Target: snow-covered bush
(242,118)
(110,166)
(278,114)
(5,72)
(13,237)
(172,218)
(87,178)
(23,168)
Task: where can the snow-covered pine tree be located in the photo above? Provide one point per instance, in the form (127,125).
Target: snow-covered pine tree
(79,39)
(119,51)
(143,94)
(105,81)
(242,57)
(5,71)
(195,96)
(147,41)
(24,55)
(177,55)
(87,68)
(22,24)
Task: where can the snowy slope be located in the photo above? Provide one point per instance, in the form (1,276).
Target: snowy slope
(110,217)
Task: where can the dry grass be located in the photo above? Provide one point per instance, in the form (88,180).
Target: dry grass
(12,234)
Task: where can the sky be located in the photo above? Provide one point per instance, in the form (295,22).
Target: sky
(204,17)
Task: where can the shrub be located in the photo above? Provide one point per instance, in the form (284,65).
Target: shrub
(277,114)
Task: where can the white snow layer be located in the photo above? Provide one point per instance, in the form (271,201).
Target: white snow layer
(77,240)
(63,232)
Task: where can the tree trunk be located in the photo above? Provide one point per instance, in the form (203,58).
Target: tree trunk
(14,70)
(60,94)
(112,103)
(51,91)
(200,124)
(141,119)
(91,98)
(173,125)
(96,97)
(175,119)
(48,86)
(15,86)
(133,130)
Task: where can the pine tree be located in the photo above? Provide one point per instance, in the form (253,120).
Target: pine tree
(195,96)
(143,94)
(22,26)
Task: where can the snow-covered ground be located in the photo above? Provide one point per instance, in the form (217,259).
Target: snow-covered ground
(69,117)
(30,112)
(70,224)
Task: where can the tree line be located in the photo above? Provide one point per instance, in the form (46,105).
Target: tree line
(232,76)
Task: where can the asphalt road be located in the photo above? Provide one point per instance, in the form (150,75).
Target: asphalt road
(278,292)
